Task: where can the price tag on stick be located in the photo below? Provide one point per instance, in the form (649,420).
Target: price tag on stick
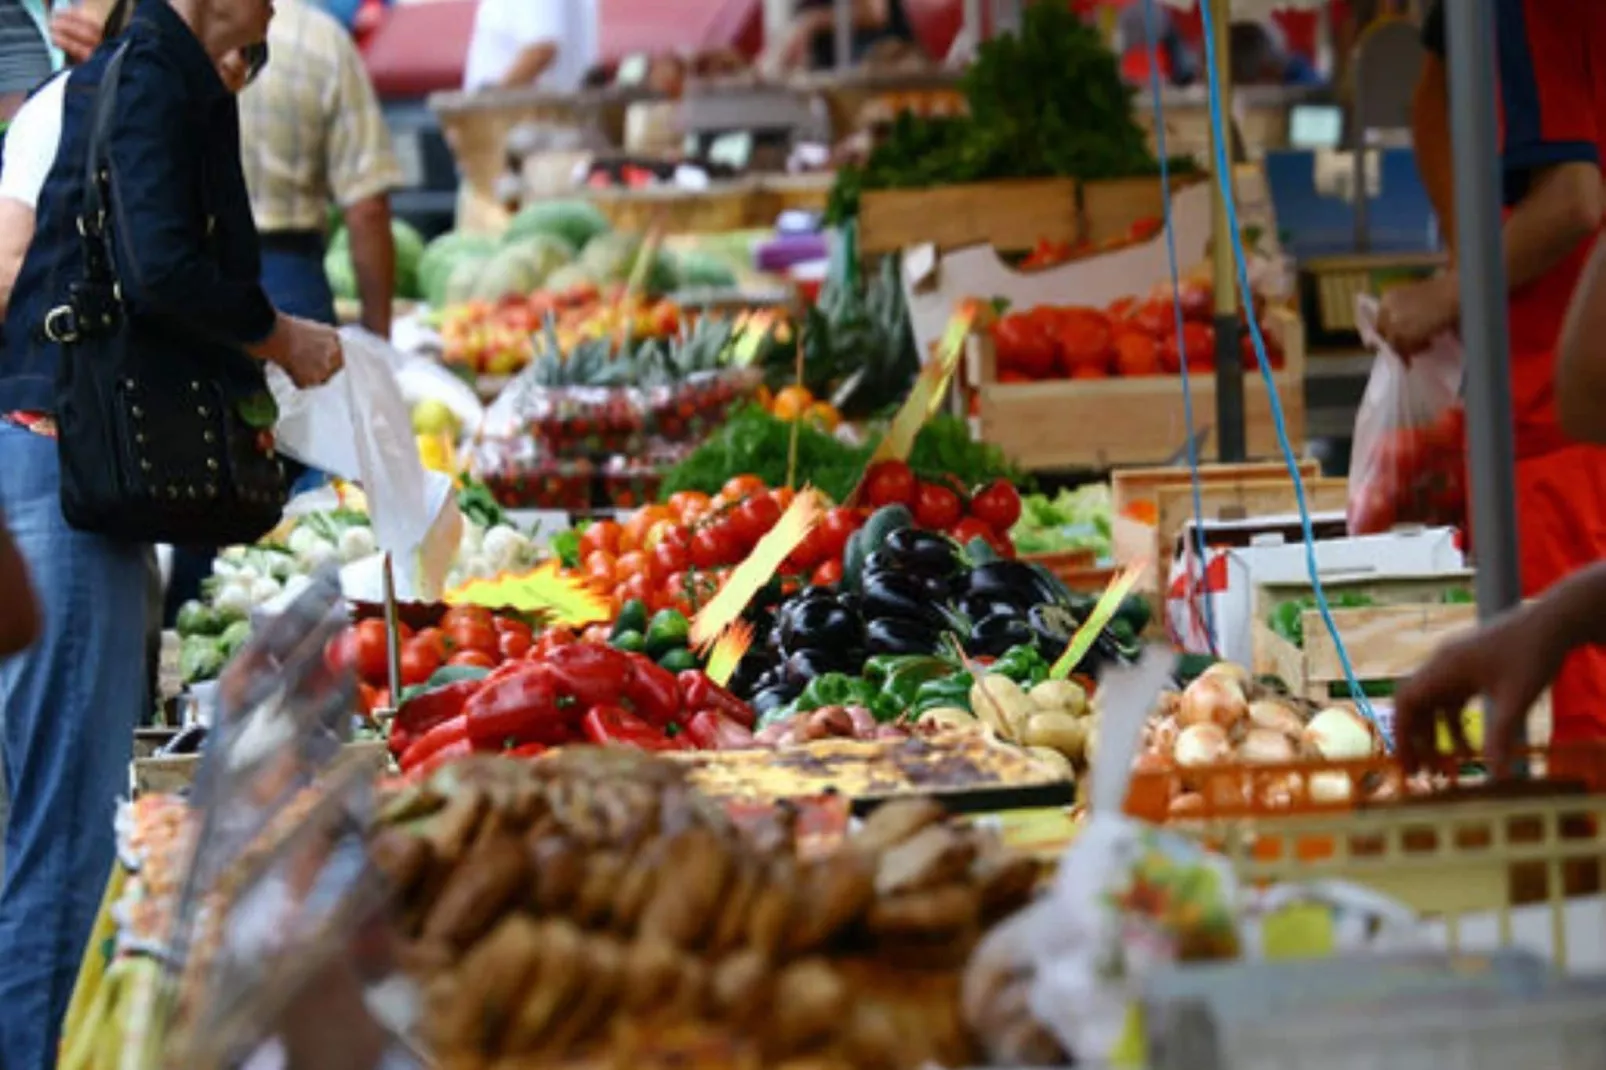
(725,609)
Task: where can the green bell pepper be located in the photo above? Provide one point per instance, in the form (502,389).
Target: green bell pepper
(836,689)
(1022,664)
(942,691)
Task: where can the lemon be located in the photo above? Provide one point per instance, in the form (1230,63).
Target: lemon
(1471,724)
(432,417)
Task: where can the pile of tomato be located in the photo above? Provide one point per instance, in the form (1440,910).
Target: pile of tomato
(1411,475)
(987,512)
(464,636)
(1130,338)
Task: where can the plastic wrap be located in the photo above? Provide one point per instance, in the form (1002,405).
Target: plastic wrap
(1408,463)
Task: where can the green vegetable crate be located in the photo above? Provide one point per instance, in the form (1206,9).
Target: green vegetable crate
(1390,626)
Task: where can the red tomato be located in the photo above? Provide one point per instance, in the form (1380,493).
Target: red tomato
(635,563)
(472,614)
(418,662)
(997,505)
(971,528)
(890,483)
(740,488)
(478,659)
(674,535)
(1136,353)
(1199,339)
(1198,301)
(372,652)
(341,653)
(713,546)
(513,626)
(602,566)
(469,635)
(513,645)
(639,586)
(753,519)
(834,530)
(1121,308)
(1084,339)
(435,638)
(829,574)
(937,507)
(806,554)
(603,535)
(1023,347)
(367,699)
(1157,318)
(669,558)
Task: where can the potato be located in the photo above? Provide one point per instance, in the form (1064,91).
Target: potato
(946,717)
(1056,696)
(1057,731)
(1000,703)
(1054,760)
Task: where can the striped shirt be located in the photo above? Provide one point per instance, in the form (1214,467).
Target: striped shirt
(26,56)
(311,132)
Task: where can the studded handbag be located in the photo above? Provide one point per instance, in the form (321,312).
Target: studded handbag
(157,442)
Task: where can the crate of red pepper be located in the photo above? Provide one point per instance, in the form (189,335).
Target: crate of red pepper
(1408,462)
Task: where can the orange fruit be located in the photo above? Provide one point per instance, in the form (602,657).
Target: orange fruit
(792,402)
(823,415)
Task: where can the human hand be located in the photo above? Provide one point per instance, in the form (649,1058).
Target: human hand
(1410,317)
(311,353)
(1510,661)
(76,32)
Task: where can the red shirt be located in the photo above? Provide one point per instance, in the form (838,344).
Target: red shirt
(1552,60)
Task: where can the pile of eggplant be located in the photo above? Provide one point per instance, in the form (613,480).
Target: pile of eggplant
(909,595)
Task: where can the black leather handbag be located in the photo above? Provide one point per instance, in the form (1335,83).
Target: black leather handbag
(157,440)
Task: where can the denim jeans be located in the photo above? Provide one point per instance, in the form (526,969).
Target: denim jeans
(71,703)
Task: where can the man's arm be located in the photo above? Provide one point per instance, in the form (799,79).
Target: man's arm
(530,64)
(362,172)
(373,255)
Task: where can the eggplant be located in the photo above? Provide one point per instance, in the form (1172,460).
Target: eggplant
(772,697)
(744,681)
(937,588)
(186,741)
(883,562)
(819,624)
(978,606)
(996,635)
(1009,580)
(899,596)
(1052,627)
(925,552)
(889,635)
(851,602)
(805,665)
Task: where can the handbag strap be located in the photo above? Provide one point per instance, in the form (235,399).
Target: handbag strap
(97,171)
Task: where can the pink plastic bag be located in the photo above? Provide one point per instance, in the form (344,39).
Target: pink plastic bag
(1408,457)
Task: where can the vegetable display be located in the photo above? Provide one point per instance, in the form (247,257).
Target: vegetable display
(501,337)
(1047,101)
(1079,519)
(1130,338)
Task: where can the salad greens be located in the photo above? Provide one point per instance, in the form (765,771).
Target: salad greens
(1079,519)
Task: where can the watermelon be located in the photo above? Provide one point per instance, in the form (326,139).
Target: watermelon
(611,257)
(463,282)
(569,277)
(440,259)
(342,275)
(515,271)
(703,270)
(409,252)
(576,221)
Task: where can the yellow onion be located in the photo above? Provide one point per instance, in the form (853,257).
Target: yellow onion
(1214,700)
(1339,734)
(1202,744)
(1277,716)
(1263,746)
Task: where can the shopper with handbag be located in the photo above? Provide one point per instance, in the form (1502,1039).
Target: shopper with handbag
(137,327)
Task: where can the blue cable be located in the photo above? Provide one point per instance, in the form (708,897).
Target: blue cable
(1151,31)
(1223,170)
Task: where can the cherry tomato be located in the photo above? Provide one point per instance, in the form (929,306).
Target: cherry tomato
(890,483)
(372,652)
(602,566)
(740,488)
(435,638)
(713,546)
(418,662)
(972,528)
(341,653)
(997,505)
(806,554)
(513,626)
(754,518)
(603,535)
(669,558)
(689,504)
(783,496)
(936,507)
(472,614)
(829,574)
(367,699)
(635,563)
(671,533)
(472,635)
(834,530)
(638,586)
(478,659)
(513,645)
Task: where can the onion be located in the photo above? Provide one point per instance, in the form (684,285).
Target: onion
(1328,788)
(1339,734)
(1231,670)
(1280,792)
(1202,744)
(1188,804)
(1151,763)
(1214,700)
(1263,746)
(1277,716)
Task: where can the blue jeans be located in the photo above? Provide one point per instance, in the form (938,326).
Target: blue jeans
(71,703)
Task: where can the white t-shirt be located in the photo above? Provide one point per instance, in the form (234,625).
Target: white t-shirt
(504,28)
(31,143)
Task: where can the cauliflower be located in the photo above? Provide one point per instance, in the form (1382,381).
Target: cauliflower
(303,540)
(357,543)
(224,568)
(234,598)
(319,554)
(503,547)
(264,589)
(473,537)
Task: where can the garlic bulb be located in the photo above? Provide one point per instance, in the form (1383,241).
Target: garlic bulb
(1214,700)
(1202,744)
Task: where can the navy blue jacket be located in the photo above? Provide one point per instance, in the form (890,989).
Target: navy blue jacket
(184,242)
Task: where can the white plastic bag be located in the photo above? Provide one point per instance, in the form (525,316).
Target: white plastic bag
(1408,461)
(358,426)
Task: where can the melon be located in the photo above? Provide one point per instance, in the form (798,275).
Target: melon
(441,258)
(511,272)
(574,220)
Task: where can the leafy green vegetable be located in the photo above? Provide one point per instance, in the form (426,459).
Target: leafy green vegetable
(565,546)
(1080,519)
(476,502)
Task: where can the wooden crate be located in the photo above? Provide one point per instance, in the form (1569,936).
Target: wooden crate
(1134,492)
(169,776)
(1100,424)
(1110,207)
(1008,215)
(727,206)
(1385,642)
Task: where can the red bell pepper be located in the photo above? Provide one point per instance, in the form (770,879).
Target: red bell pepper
(652,691)
(445,734)
(423,712)
(591,674)
(712,730)
(616,725)
(461,748)
(698,692)
(524,706)
(528,750)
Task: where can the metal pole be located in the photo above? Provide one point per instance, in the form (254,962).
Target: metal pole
(1229,360)
(1490,449)
(974,21)
(843,10)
